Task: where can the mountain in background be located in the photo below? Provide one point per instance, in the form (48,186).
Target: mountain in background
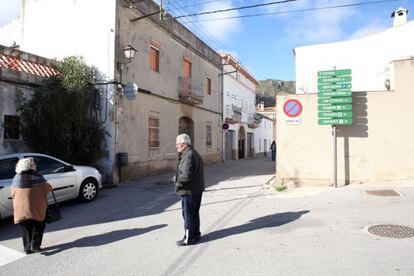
(268,89)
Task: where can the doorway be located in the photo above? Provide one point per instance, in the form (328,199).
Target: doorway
(186,125)
(228,145)
(250,147)
(241,143)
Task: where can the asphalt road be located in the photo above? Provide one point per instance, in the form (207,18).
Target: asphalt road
(247,230)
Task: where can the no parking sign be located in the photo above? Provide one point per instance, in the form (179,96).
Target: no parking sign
(292,108)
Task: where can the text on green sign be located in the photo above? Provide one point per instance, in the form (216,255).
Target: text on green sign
(345,121)
(335,107)
(335,114)
(331,73)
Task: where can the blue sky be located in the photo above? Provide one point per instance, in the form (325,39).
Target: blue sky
(264,44)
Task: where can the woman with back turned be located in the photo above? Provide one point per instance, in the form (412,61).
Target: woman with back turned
(29,191)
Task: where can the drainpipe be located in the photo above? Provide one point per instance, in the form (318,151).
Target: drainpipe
(222,110)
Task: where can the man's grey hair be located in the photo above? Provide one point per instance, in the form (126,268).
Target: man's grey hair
(184,138)
(25,164)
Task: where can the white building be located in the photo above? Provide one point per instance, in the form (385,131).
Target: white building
(239,96)
(266,132)
(377,147)
(369,57)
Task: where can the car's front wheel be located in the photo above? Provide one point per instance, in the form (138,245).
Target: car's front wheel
(88,190)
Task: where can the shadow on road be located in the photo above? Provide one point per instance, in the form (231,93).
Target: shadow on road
(269,221)
(142,197)
(106,238)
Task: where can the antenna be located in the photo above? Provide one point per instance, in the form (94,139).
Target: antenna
(163,13)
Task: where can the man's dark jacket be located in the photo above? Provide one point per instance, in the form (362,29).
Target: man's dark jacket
(189,177)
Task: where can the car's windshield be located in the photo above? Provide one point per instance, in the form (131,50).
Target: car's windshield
(7,168)
(47,165)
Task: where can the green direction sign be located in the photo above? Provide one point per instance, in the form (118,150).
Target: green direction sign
(335,80)
(334,73)
(344,121)
(335,107)
(333,114)
(342,93)
(339,100)
(339,86)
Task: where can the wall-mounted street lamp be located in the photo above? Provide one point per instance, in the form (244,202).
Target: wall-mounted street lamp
(129,52)
(130,89)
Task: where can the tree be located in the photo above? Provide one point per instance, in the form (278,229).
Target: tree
(55,117)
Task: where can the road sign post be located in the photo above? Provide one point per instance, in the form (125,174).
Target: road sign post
(335,103)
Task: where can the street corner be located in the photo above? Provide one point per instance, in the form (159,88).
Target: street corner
(291,188)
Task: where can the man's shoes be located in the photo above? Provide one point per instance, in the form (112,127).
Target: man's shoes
(36,249)
(180,242)
(28,252)
(185,242)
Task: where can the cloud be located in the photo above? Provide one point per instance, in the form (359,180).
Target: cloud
(10,10)
(297,5)
(368,30)
(312,27)
(222,30)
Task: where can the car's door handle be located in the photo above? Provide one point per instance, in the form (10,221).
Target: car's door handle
(9,198)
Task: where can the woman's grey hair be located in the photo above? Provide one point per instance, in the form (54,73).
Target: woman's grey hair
(25,164)
(184,138)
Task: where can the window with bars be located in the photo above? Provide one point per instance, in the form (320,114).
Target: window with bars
(154,131)
(209,142)
(11,127)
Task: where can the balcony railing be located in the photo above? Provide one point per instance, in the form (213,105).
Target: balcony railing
(254,120)
(190,91)
(233,114)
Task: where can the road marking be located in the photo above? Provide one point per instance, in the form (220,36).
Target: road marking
(8,255)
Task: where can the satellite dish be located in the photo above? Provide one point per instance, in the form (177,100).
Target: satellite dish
(131,90)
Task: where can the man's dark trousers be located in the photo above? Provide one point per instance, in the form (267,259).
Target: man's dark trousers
(191,214)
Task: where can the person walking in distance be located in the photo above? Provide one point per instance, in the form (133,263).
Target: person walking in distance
(29,190)
(189,184)
(273,150)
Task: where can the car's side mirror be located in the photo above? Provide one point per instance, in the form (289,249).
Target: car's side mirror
(69,168)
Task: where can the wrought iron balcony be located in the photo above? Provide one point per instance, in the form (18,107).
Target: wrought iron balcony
(254,120)
(233,114)
(189,91)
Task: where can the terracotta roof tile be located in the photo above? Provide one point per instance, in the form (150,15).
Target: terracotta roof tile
(27,66)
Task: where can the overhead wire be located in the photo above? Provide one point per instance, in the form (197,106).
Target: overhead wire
(258,14)
(238,8)
(194,26)
(200,4)
(210,36)
(295,11)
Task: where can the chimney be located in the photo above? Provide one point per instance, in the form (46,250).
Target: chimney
(400,16)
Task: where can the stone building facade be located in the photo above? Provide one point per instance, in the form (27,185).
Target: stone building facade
(177,75)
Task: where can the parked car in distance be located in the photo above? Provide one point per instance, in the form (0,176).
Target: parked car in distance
(68,181)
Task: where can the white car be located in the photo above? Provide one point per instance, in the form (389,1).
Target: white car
(68,181)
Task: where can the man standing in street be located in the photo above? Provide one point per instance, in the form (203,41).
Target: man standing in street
(189,184)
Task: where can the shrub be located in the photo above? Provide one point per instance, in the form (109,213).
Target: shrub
(55,117)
